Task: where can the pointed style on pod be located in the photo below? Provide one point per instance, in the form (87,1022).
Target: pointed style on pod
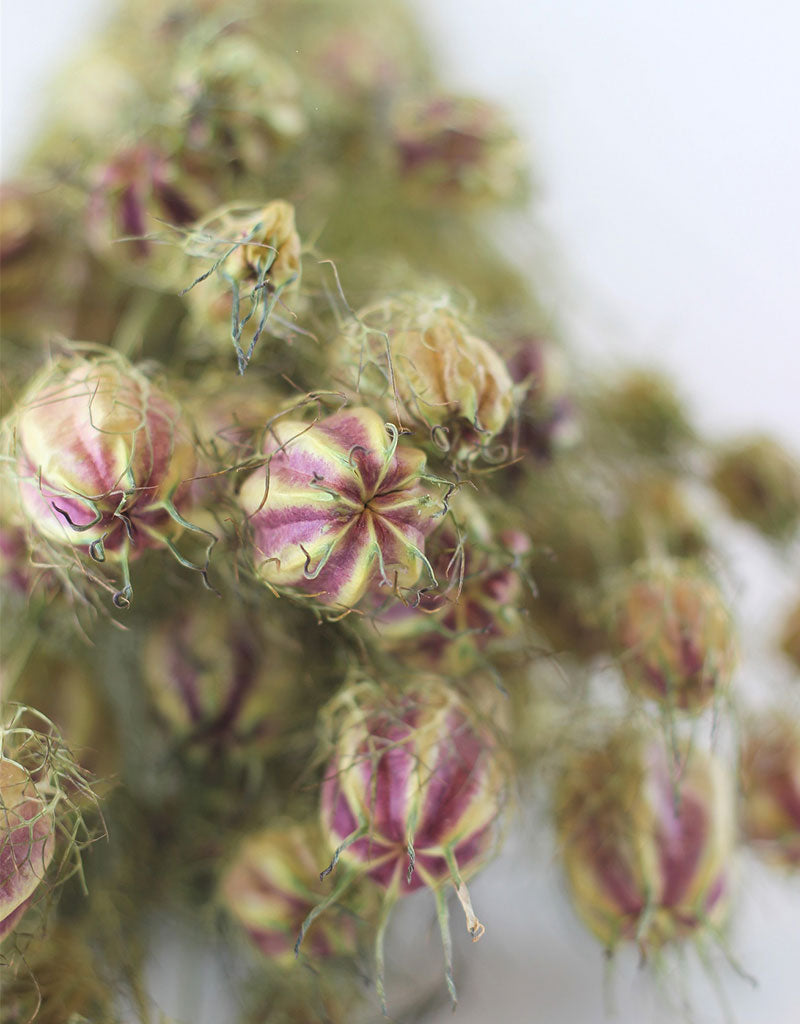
(342,507)
(103,460)
(413,796)
(646,840)
(426,369)
(250,259)
(770,770)
(673,634)
(272,884)
(27,842)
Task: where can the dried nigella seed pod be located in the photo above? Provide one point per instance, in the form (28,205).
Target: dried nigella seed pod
(474,612)
(426,369)
(790,636)
(412,796)
(673,634)
(645,407)
(27,842)
(656,517)
(250,260)
(459,150)
(271,885)
(759,481)
(342,507)
(103,460)
(646,841)
(218,683)
(546,421)
(138,204)
(770,769)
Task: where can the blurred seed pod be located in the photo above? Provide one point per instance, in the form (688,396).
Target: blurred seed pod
(770,773)
(219,683)
(656,517)
(425,369)
(413,796)
(646,841)
(271,885)
(458,150)
(103,460)
(249,261)
(790,636)
(58,981)
(547,416)
(64,689)
(475,612)
(645,408)
(673,634)
(342,507)
(759,481)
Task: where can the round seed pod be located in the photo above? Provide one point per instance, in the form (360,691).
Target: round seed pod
(646,842)
(245,258)
(413,796)
(770,770)
(759,480)
(644,406)
(342,508)
(103,460)
(458,150)
(790,636)
(425,369)
(218,683)
(547,420)
(271,885)
(673,634)
(474,613)
(27,842)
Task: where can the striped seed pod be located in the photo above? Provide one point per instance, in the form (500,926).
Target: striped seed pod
(27,842)
(103,459)
(474,612)
(673,635)
(271,885)
(413,796)
(217,683)
(646,842)
(759,481)
(770,769)
(343,507)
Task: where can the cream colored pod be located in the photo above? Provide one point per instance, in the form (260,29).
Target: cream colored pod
(428,372)
(646,841)
(103,461)
(246,259)
(27,842)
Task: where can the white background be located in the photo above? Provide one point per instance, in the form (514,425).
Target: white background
(666,145)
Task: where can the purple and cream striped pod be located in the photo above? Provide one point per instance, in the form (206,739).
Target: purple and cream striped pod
(413,796)
(673,634)
(103,457)
(271,885)
(770,769)
(646,842)
(342,507)
(27,842)
(475,610)
(217,682)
